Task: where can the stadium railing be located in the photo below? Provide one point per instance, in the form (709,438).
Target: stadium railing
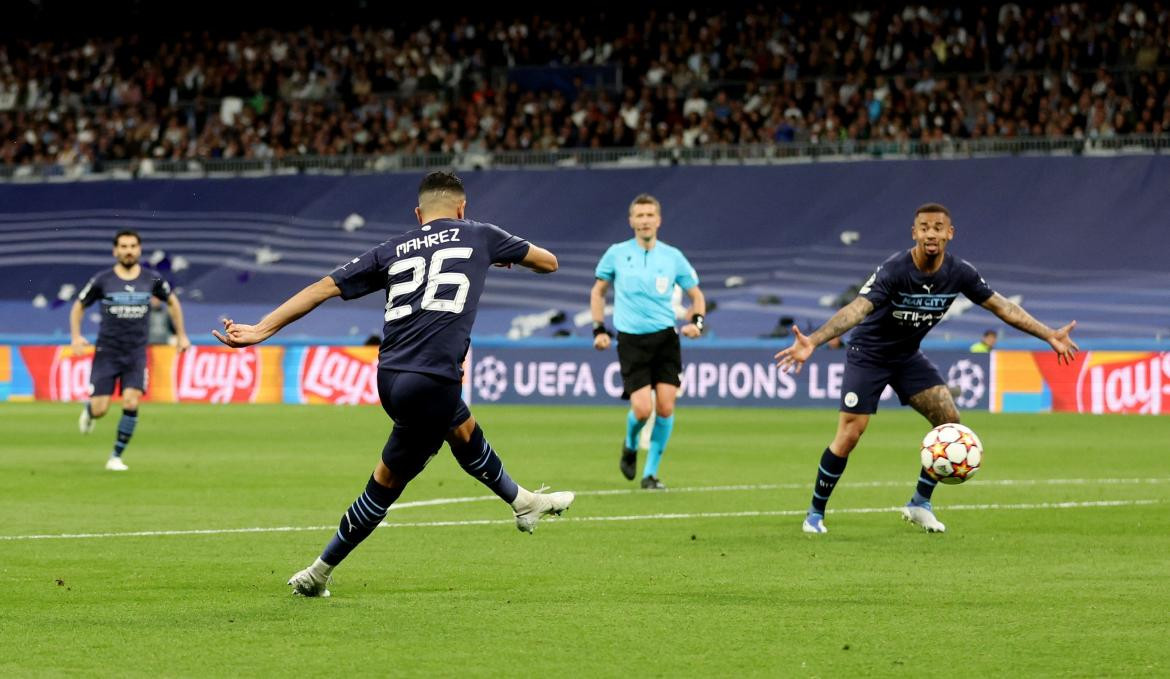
(757,154)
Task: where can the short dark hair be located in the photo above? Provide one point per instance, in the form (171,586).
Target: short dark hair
(441,181)
(932,207)
(991,331)
(645,199)
(127,232)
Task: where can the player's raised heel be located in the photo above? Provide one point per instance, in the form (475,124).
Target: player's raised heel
(115,464)
(628,462)
(86,422)
(537,505)
(921,515)
(814,523)
(308,583)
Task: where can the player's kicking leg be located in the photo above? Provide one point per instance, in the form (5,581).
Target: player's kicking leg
(403,457)
(477,457)
(938,406)
(421,407)
(359,521)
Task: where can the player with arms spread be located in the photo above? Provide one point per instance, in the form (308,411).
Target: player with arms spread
(120,353)
(907,295)
(432,277)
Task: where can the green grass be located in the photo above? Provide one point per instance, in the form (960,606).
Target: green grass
(714,591)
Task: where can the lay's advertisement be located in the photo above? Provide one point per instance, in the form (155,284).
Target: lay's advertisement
(202,374)
(1097,382)
(334,375)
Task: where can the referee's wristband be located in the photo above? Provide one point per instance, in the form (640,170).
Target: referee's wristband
(699,321)
(600,329)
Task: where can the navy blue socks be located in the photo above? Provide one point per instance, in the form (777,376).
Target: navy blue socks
(479,460)
(828,473)
(125,429)
(925,488)
(362,517)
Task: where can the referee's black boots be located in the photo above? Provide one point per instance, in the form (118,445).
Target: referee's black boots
(629,461)
(652,483)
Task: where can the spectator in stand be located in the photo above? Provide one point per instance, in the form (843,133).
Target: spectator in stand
(986,343)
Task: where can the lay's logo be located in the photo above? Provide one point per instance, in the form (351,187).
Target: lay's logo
(69,375)
(217,375)
(1137,386)
(340,376)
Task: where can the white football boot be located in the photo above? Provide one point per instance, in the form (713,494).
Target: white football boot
(312,581)
(115,464)
(922,515)
(814,523)
(86,422)
(530,506)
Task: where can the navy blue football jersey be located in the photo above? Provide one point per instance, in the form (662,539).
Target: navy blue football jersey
(125,306)
(907,303)
(433,277)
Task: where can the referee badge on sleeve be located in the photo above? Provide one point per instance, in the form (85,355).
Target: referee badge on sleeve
(661,284)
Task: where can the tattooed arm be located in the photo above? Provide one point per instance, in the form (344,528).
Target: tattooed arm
(1014,315)
(846,317)
(802,347)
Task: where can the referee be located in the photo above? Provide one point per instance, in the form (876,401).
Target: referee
(643,272)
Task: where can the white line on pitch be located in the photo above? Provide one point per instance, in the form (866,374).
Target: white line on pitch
(630,517)
(797,486)
(785,512)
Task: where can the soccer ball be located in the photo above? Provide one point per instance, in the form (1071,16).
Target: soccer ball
(951,453)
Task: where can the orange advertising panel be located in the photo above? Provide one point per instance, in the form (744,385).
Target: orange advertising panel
(214,374)
(57,373)
(1096,382)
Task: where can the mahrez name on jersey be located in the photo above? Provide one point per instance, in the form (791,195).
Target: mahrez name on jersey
(428,241)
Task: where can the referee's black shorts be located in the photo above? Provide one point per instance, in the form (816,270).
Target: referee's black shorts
(649,359)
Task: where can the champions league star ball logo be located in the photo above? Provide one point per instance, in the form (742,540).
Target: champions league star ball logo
(969,379)
(491,378)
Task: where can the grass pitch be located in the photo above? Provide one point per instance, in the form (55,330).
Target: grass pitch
(1055,562)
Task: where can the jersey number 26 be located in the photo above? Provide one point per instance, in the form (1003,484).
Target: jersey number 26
(436,277)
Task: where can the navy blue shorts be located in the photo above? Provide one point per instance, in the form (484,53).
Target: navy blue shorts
(424,408)
(127,369)
(867,376)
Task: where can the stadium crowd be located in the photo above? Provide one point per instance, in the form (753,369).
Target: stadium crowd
(655,80)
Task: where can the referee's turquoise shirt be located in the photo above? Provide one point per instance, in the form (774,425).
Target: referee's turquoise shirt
(643,281)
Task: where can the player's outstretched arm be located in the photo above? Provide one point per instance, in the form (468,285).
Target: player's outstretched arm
(1014,315)
(238,335)
(793,357)
(601,336)
(78,341)
(841,322)
(539,260)
(176,313)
